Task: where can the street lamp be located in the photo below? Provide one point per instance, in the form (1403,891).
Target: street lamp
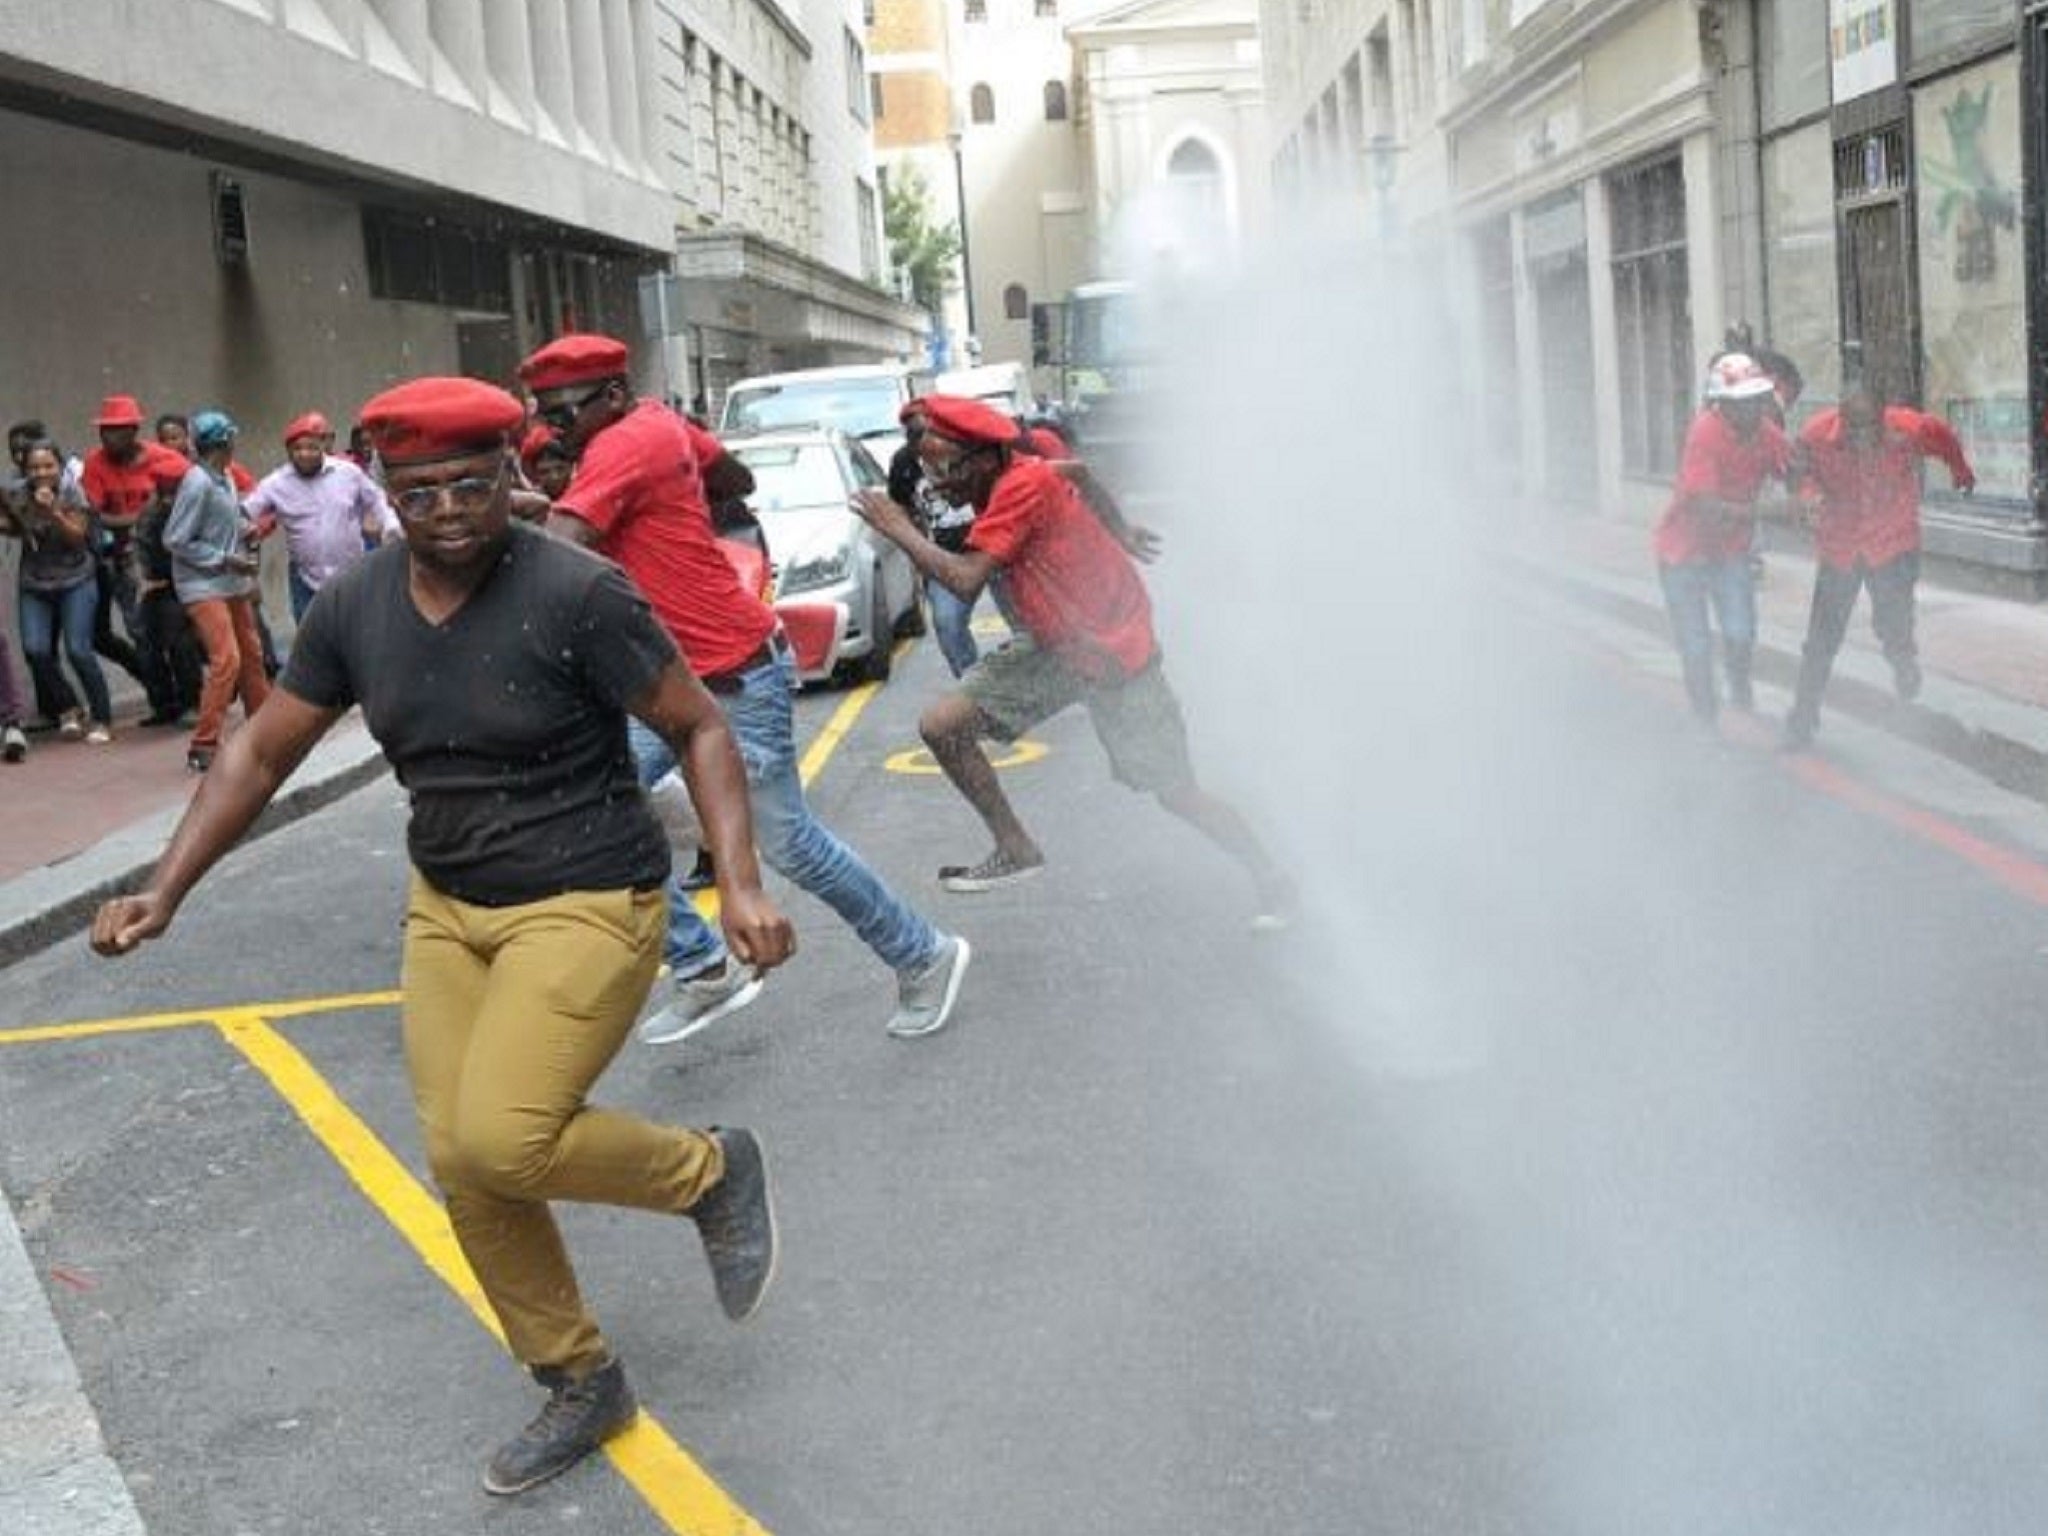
(956,137)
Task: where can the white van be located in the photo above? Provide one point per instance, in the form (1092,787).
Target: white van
(1006,386)
(860,399)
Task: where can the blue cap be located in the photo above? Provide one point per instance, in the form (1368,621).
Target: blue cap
(213,429)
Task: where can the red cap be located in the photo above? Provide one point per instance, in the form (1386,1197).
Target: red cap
(967,421)
(312,424)
(439,418)
(534,444)
(578,358)
(119,411)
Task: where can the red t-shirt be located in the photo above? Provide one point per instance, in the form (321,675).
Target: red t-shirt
(1071,584)
(638,485)
(1723,467)
(1869,498)
(124,490)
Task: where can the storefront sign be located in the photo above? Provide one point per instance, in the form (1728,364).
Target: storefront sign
(1863,46)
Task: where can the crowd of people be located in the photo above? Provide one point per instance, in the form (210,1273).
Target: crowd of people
(143,554)
(535,618)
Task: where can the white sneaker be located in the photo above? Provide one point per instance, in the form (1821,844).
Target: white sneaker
(71,725)
(13,743)
(925,998)
(696,1001)
(99,735)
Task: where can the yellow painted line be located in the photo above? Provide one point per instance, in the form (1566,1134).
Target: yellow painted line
(833,732)
(667,1477)
(920,759)
(141,1022)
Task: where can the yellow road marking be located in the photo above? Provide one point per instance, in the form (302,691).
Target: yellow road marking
(666,1476)
(827,741)
(920,759)
(137,1023)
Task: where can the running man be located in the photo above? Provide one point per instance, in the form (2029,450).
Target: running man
(638,496)
(497,667)
(1860,462)
(1087,639)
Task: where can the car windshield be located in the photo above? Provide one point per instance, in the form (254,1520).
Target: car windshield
(790,475)
(857,407)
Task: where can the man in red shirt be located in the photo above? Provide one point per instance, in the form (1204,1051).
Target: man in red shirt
(638,496)
(1702,540)
(1859,464)
(1087,639)
(124,478)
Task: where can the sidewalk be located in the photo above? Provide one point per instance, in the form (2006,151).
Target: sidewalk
(1985,701)
(82,823)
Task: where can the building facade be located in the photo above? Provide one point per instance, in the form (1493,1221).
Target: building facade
(1625,183)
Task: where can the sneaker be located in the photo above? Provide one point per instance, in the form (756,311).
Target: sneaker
(1906,680)
(579,1417)
(1278,906)
(199,759)
(13,743)
(702,876)
(703,999)
(100,734)
(736,1220)
(993,872)
(1799,733)
(925,997)
(71,724)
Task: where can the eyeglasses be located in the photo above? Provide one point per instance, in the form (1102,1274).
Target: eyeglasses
(563,413)
(470,494)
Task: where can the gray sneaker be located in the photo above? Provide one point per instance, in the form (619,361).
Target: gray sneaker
(696,1001)
(579,1417)
(925,997)
(736,1220)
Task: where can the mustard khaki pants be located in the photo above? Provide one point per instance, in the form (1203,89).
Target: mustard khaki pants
(511,1013)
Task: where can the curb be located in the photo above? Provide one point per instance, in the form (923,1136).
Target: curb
(57,902)
(1993,737)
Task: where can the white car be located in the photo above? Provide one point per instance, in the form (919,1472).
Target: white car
(823,556)
(863,400)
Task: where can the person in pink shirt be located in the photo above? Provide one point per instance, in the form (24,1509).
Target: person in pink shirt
(1703,539)
(330,511)
(1859,468)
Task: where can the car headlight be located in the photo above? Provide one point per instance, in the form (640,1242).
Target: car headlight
(808,575)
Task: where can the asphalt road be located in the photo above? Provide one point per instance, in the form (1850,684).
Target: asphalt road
(1641,1136)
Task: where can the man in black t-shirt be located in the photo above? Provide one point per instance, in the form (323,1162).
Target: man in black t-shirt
(496,667)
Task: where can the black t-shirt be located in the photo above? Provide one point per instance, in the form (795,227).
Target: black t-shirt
(507,723)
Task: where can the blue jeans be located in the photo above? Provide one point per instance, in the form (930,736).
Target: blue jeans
(302,593)
(952,626)
(793,842)
(71,612)
(1729,588)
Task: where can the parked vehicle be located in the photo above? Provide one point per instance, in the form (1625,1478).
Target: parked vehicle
(862,400)
(1006,386)
(844,593)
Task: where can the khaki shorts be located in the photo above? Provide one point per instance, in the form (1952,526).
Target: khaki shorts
(1137,720)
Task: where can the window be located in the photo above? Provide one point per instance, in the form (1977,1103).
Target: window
(1055,101)
(857,87)
(432,261)
(977,10)
(1955,25)
(876,97)
(1653,315)
(869,220)
(981,104)
(1016,303)
(1045,7)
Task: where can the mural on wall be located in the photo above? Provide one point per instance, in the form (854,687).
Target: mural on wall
(1970,199)
(1972,297)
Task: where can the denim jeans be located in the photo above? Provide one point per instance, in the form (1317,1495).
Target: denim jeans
(1729,587)
(45,615)
(302,594)
(952,626)
(792,840)
(1834,599)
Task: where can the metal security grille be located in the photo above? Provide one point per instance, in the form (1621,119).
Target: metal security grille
(1872,164)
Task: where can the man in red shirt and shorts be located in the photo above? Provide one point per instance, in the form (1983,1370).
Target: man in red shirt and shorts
(1087,639)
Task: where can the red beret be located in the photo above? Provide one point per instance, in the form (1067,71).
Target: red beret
(577,358)
(312,424)
(535,443)
(967,421)
(439,418)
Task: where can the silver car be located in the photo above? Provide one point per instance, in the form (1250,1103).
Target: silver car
(822,554)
